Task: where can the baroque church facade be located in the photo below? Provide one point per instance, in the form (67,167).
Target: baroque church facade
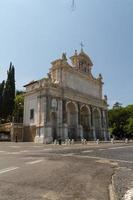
(68,103)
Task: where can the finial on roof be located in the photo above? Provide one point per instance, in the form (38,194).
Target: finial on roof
(82,45)
(100,76)
(64,57)
(105,98)
(75,52)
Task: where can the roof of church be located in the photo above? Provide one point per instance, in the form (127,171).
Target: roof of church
(30,83)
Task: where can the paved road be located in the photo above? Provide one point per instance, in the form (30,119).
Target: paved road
(35,172)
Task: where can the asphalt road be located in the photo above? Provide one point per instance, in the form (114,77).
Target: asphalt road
(31,171)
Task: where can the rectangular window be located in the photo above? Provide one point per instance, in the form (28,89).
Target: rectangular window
(31,113)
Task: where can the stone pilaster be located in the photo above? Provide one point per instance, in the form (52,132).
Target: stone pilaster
(91,110)
(48,103)
(59,116)
(105,135)
(45,110)
(80,130)
(102,118)
(59,119)
(64,114)
(79,121)
(94,133)
(38,110)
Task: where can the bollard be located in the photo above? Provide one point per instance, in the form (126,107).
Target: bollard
(72,141)
(84,141)
(69,141)
(112,140)
(126,140)
(66,141)
(55,142)
(97,141)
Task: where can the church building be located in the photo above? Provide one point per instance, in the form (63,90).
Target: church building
(68,103)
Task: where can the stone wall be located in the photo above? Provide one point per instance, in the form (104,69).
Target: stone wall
(17,132)
(87,86)
(29,133)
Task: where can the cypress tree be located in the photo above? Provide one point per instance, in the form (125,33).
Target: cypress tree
(9,94)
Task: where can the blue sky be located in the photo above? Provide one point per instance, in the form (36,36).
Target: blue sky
(35,32)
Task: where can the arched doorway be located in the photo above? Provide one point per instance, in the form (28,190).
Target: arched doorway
(85,121)
(72,120)
(54,125)
(97,123)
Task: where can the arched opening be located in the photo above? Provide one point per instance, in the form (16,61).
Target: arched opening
(54,125)
(85,121)
(97,123)
(72,120)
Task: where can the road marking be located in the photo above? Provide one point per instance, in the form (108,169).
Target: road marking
(50,149)
(121,147)
(13,153)
(34,162)
(24,151)
(102,149)
(41,150)
(14,146)
(68,154)
(2,151)
(8,169)
(97,157)
(87,151)
(37,146)
(27,158)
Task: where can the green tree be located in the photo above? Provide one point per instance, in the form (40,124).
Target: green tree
(129,109)
(9,94)
(117,122)
(117,105)
(121,121)
(19,92)
(129,128)
(19,106)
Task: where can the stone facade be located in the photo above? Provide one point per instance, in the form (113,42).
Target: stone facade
(67,104)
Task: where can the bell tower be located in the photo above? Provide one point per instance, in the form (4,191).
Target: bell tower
(81,62)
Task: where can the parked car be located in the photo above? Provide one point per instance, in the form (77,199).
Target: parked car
(4,137)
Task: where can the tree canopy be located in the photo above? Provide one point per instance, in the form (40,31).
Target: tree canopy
(19,107)
(121,121)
